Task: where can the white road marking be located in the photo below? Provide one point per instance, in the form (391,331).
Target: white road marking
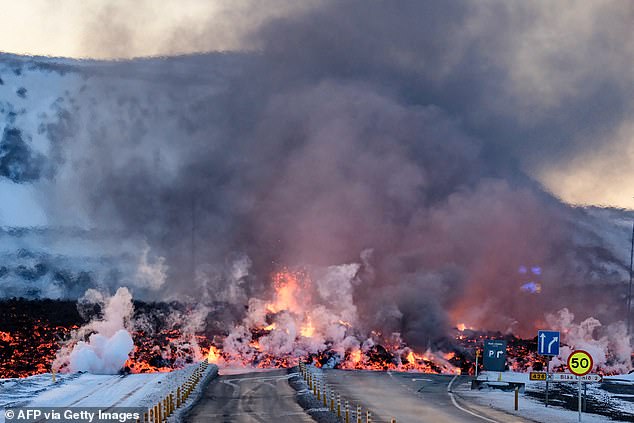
(260,378)
(455,403)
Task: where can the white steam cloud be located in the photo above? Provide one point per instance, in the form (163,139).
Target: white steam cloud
(109,342)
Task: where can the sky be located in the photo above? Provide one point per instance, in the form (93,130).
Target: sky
(548,60)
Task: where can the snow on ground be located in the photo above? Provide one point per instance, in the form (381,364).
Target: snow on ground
(613,397)
(88,390)
(621,379)
(528,407)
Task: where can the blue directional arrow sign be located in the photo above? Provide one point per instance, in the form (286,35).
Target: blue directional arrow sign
(548,342)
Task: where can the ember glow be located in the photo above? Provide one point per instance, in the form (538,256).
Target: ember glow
(300,322)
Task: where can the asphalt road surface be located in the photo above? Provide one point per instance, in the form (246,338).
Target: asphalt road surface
(407,397)
(411,397)
(249,398)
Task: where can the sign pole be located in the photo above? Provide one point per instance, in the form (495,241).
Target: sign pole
(579,386)
(547,377)
(629,292)
(476,366)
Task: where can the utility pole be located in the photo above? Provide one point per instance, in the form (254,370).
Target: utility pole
(193,239)
(629,292)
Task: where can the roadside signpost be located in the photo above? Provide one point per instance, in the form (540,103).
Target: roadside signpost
(580,363)
(494,355)
(538,376)
(567,377)
(548,344)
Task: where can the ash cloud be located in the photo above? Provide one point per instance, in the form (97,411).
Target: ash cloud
(410,130)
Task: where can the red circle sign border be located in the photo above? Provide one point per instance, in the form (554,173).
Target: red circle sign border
(591,362)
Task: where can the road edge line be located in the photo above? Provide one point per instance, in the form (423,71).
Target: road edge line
(455,403)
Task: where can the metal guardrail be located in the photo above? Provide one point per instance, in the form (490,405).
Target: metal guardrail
(164,408)
(332,399)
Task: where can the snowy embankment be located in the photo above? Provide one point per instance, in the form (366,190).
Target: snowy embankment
(612,398)
(89,390)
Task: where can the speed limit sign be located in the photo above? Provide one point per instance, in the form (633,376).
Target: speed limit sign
(580,363)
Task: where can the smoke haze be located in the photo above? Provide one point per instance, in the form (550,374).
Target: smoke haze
(408,143)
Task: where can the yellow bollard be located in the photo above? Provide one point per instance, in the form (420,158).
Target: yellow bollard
(318,390)
(145,419)
(368,417)
(347,412)
(359,414)
(151,419)
(159,416)
(332,402)
(393,421)
(324,395)
(178,397)
(338,405)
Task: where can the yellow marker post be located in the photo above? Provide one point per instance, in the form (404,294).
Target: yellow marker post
(324,395)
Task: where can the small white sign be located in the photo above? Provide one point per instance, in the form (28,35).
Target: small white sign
(568,377)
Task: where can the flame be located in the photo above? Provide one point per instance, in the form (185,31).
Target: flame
(287,290)
(214,355)
(270,327)
(307,330)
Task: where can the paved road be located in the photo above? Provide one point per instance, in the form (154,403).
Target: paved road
(249,398)
(411,398)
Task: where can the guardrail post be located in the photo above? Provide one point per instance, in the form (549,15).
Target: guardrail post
(517,393)
(324,395)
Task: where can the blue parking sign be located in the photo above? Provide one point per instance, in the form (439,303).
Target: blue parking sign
(494,355)
(548,342)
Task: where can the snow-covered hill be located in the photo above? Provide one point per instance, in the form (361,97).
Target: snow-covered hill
(49,246)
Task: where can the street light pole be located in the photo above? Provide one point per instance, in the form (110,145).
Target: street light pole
(629,292)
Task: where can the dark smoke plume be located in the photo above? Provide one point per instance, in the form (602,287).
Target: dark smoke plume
(402,136)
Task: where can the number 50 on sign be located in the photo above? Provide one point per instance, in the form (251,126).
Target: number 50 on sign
(580,363)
